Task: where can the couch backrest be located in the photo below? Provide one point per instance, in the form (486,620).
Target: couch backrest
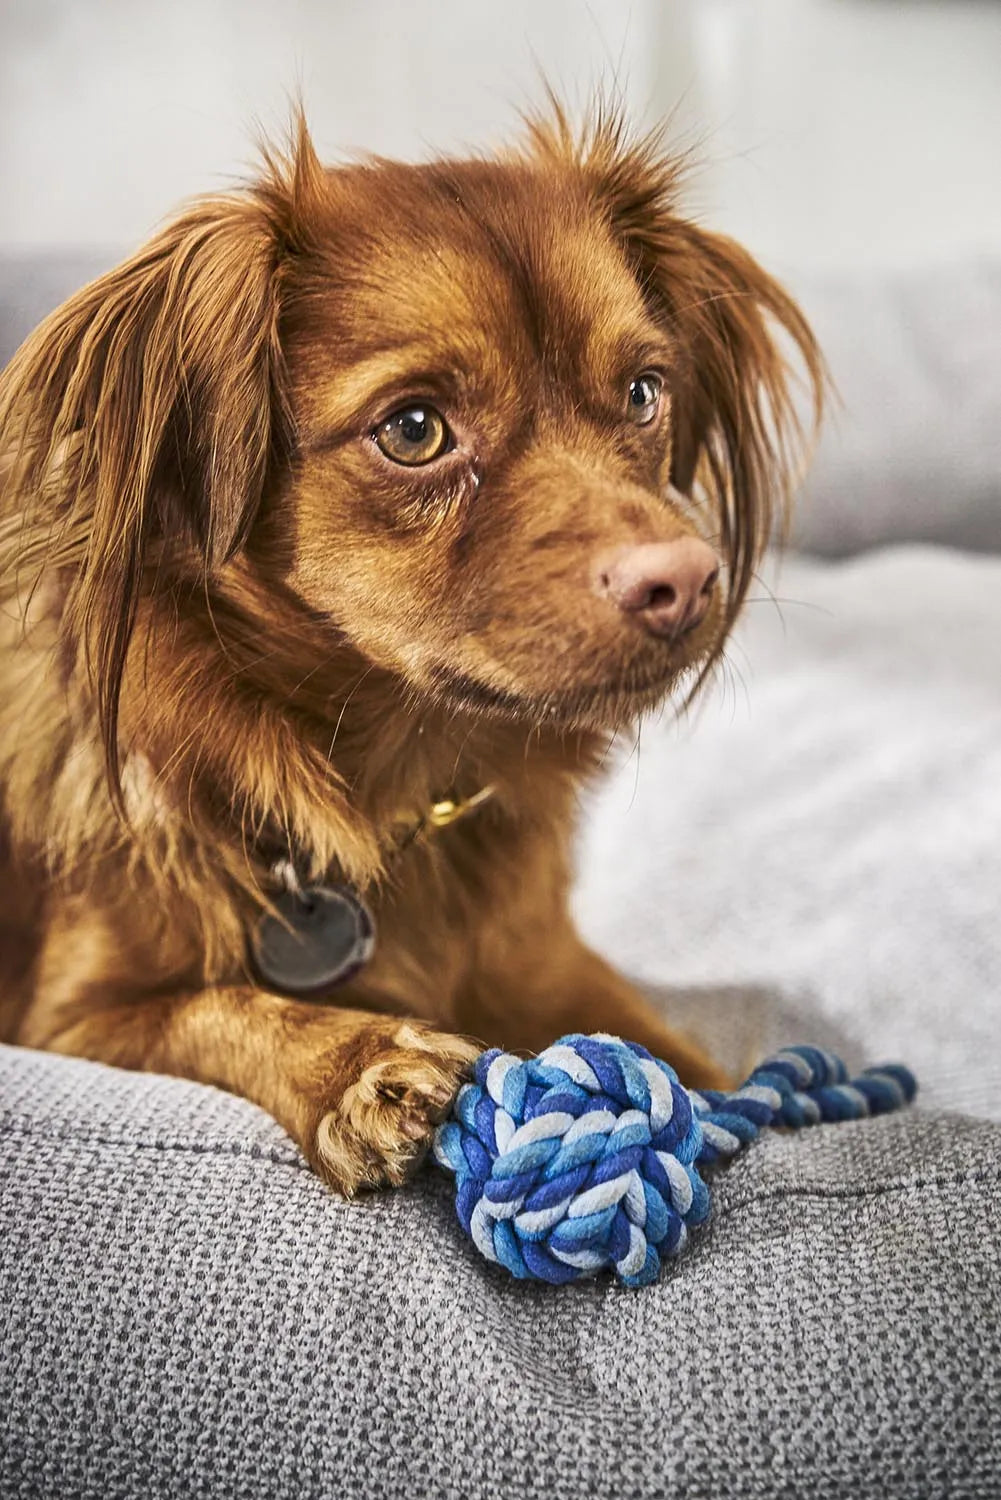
(913,452)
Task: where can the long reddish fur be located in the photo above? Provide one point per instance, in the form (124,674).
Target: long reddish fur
(207,639)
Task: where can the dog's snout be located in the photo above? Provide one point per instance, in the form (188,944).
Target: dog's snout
(667,585)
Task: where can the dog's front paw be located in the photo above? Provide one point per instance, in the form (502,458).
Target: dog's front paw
(383,1121)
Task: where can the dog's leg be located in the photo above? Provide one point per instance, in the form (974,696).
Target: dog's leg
(359,1092)
(563,987)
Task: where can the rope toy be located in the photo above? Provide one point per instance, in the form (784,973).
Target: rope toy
(588,1155)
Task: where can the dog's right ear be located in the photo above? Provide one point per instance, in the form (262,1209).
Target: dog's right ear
(738,442)
(150,409)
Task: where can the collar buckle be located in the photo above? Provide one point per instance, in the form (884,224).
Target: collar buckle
(451,809)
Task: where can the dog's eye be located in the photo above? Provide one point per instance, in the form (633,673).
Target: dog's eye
(413,435)
(644,399)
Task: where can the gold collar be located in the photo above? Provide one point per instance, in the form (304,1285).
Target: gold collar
(451,809)
(447,811)
(312,938)
(441,814)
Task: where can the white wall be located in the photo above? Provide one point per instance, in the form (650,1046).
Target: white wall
(853,131)
(832,131)
(111,110)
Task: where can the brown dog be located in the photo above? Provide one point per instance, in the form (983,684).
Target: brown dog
(351,493)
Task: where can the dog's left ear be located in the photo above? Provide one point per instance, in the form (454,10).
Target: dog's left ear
(147,413)
(210,354)
(737,440)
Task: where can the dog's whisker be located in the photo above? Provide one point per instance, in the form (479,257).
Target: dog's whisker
(344,708)
(780,602)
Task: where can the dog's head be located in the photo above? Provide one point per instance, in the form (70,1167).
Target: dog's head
(515,428)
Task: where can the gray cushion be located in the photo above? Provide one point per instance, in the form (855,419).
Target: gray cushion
(913,451)
(187,1311)
(814,853)
(33,283)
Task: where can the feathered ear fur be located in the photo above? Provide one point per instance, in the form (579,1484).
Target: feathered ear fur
(737,439)
(142,419)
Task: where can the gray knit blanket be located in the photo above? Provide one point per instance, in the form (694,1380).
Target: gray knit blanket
(186,1311)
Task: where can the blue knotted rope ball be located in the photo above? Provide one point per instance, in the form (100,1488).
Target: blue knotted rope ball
(588,1155)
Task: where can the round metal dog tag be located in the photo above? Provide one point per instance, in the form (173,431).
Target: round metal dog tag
(321,936)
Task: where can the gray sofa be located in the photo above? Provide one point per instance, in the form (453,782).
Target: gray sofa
(814,855)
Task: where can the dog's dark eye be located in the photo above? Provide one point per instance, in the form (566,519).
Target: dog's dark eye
(644,399)
(413,435)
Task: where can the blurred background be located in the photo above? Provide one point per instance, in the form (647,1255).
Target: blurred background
(851,144)
(829,130)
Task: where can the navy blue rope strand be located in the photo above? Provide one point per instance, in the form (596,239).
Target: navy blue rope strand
(812,1087)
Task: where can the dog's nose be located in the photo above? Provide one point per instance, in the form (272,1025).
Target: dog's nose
(669,585)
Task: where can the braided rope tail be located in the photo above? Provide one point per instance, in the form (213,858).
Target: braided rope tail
(588,1155)
(795,1087)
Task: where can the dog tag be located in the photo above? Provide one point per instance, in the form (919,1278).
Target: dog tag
(321,935)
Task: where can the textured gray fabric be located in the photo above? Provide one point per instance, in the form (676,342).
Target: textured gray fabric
(187,1312)
(815,855)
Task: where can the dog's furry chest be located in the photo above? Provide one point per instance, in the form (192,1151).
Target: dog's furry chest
(438,905)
